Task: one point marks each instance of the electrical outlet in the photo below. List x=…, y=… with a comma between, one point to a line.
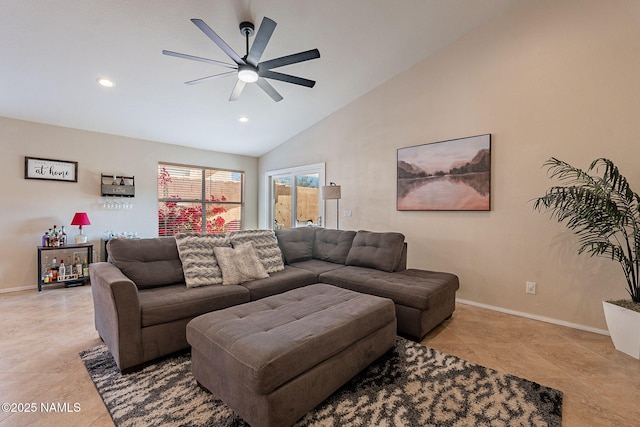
x=531, y=288
x=347, y=214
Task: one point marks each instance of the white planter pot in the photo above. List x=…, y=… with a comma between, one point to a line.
x=624, y=327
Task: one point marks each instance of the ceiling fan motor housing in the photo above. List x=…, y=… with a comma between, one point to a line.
x=246, y=28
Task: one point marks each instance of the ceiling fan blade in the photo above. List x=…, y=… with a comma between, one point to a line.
x=237, y=90
x=204, y=79
x=287, y=78
x=290, y=59
x=217, y=40
x=265, y=86
x=197, y=58
x=260, y=42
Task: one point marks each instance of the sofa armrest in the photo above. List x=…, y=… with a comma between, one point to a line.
x=117, y=313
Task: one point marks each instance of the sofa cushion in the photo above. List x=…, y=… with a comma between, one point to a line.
x=423, y=292
x=279, y=282
x=149, y=262
x=266, y=246
x=381, y=251
x=332, y=245
x=419, y=289
x=175, y=302
x=239, y=264
x=296, y=243
x=198, y=260
x=351, y=277
x=316, y=266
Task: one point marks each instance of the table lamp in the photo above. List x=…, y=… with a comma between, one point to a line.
x=80, y=218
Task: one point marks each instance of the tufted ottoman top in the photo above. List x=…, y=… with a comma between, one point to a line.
x=265, y=343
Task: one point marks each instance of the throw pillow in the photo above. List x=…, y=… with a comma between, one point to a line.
x=239, y=264
x=266, y=245
x=198, y=260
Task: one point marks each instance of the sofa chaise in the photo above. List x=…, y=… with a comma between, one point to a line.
x=150, y=288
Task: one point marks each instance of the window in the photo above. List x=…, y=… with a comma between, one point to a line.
x=190, y=196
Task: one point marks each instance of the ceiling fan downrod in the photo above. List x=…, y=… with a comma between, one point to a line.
x=246, y=29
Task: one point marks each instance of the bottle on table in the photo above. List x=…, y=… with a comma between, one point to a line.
x=53, y=272
x=62, y=270
x=44, y=274
x=85, y=268
x=78, y=267
x=62, y=237
x=53, y=238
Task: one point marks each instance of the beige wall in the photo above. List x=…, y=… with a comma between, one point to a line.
x=548, y=78
x=30, y=207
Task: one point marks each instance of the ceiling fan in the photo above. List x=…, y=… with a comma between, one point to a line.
x=248, y=68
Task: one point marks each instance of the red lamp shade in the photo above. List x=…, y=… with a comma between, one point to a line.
x=80, y=218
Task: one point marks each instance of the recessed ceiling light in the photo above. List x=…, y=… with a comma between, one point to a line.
x=105, y=82
x=243, y=119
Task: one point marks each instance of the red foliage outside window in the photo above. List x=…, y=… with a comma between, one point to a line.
x=175, y=216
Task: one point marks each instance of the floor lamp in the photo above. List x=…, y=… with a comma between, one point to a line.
x=332, y=192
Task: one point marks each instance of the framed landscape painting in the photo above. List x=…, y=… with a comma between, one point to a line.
x=452, y=175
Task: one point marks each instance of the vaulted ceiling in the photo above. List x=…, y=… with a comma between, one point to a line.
x=52, y=52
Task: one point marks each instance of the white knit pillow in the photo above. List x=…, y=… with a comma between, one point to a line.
x=266, y=245
x=198, y=260
x=239, y=264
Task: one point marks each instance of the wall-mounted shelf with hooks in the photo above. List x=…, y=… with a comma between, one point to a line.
x=118, y=185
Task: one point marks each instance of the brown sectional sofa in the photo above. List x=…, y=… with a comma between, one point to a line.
x=142, y=304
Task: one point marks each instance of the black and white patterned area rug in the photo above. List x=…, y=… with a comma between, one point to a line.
x=411, y=385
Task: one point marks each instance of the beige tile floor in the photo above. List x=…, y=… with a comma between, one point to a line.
x=42, y=334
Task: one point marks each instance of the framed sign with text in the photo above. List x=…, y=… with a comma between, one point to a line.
x=49, y=169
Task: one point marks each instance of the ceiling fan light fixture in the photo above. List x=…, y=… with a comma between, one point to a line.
x=247, y=74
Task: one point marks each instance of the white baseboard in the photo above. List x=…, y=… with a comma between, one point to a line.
x=19, y=288
x=534, y=317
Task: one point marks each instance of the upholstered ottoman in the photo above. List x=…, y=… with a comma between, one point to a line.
x=275, y=359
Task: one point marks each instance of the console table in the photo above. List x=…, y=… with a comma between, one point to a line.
x=59, y=252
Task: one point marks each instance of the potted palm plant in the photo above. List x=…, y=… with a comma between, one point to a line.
x=603, y=211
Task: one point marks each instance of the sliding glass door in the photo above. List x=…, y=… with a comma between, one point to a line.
x=295, y=196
